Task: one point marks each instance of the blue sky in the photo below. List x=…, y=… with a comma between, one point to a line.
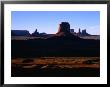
x=48, y=21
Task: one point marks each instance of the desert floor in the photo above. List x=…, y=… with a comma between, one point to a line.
x=56, y=67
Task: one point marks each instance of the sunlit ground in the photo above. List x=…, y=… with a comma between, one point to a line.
x=57, y=62
x=56, y=67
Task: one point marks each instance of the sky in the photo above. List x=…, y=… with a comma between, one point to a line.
x=48, y=21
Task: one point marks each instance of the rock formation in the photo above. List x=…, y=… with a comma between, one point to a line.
x=35, y=33
x=20, y=33
x=84, y=33
x=72, y=30
x=64, y=27
x=64, y=32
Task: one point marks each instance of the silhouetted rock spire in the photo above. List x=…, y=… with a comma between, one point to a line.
x=35, y=33
x=79, y=31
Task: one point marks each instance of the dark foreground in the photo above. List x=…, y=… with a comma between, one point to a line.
x=76, y=72
x=59, y=57
x=57, y=47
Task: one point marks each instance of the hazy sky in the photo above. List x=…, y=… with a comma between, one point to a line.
x=48, y=21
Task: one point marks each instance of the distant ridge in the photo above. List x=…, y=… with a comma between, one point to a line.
x=64, y=32
x=20, y=33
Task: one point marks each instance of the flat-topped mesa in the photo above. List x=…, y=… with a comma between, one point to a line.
x=20, y=33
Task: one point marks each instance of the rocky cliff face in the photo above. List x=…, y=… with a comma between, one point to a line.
x=64, y=31
x=64, y=27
